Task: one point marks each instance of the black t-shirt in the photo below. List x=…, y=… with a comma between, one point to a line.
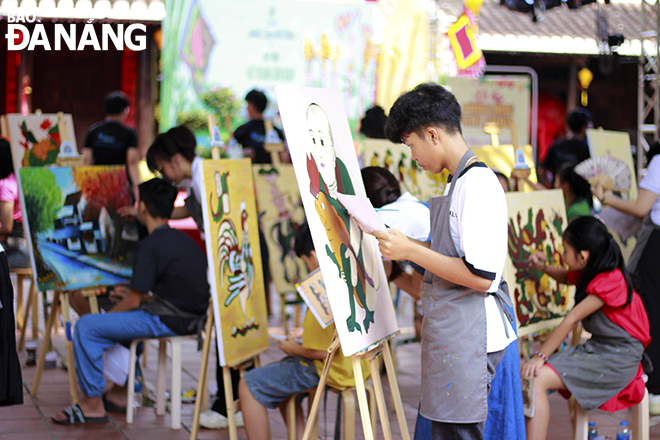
x=109, y=141
x=252, y=134
x=564, y=151
x=171, y=265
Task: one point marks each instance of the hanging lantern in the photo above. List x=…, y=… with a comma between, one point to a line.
x=584, y=76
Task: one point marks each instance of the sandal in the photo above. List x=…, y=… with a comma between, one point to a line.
x=75, y=416
x=112, y=407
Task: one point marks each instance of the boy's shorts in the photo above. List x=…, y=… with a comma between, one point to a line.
x=274, y=383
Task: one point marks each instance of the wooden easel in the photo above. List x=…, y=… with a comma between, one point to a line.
x=273, y=148
x=233, y=404
x=370, y=354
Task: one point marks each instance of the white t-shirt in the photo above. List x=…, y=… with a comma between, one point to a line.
x=478, y=224
x=195, y=185
x=651, y=182
x=408, y=215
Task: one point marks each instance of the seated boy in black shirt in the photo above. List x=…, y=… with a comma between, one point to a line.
x=171, y=266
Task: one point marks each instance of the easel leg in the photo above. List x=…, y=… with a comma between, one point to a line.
x=35, y=312
x=396, y=395
x=314, y=408
x=20, y=321
x=229, y=400
x=380, y=398
x=71, y=363
x=362, y=399
x=45, y=345
x=21, y=341
x=203, y=373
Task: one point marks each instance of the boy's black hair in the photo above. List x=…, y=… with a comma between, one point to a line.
x=177, y=140
x=424, y=106
x=578, y=119
x=115, y=102
x=158, y=196
x=302, y=241
x=579, y=186
x=373, y=123
x=258, y=99
x=6, y=164
x=587, y=233
x=381, y=186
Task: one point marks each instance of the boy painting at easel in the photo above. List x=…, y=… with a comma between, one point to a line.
x=463, y=265
x=269, y=387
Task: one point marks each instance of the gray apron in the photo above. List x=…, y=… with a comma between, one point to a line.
x=454, y=370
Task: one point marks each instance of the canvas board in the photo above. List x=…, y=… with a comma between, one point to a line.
x=76, y=237
x=325, y=163
x=234, y=258
x=280, y=210
x=396, y=158
x=536, y=223
x=312, y=290
x=35, y=139
x=617, y=144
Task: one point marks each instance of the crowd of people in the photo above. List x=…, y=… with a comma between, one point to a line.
x=448, y=253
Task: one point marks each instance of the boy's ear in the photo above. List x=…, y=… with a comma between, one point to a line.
x=432, y=133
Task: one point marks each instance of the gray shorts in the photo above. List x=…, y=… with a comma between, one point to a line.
x=274, y=383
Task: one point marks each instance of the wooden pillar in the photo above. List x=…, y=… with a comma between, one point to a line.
x=572, y=95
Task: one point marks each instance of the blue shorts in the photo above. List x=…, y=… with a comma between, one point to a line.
x=274, y=383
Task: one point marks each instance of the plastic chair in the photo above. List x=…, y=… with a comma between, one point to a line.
x=349, y=409
x=639, y=425
x=175, y=408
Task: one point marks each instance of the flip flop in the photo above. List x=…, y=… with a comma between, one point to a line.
x=75, y=416
x=112, y=407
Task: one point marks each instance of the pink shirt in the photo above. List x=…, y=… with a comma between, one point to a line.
x=9, y=193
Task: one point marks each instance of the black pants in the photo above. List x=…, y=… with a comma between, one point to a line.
x=647, y=280
x=11, y=382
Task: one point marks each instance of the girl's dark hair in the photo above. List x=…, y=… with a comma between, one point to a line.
x=373, y=123
x=381, y=186
x=177, y=140
x=6, y=164
x=579, y=186
x=590, y=234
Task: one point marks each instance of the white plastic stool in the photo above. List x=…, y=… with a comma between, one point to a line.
x=175, y=393
x=639, y=425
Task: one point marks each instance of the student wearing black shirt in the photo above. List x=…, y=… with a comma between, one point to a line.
x=110, y=142
x=252, y=134
x=168, y=264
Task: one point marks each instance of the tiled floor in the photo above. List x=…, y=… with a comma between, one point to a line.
x=31, y=421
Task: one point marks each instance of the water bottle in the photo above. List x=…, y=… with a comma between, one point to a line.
x=234, y=150
x=593, y=432
x=624, y=432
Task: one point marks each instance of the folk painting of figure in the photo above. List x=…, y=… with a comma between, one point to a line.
x=325, y=163
x=35, y=138
x=280, y=211
x=77, y=238
x=536, y=224
x=232, y=248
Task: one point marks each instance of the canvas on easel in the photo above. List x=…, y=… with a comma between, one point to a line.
x=325, y=163
x=536, y=224
x=281, y=211
x=35, y=138
x=396, y=158
x=233, y=251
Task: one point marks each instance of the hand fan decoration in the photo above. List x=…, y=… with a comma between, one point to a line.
x=609, y=172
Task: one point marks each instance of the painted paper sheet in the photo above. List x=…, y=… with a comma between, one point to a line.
x=35, y=139
x=232, y=248
x=536, y=223
x=616, y=144
x=398, y=161
x=324, y=159
x=76, y=236
x=281, y=211
x=312, y=290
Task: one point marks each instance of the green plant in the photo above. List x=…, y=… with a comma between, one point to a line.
x=222, y=102
x=195, y=120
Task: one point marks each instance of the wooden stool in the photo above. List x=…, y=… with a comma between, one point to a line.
x=175, y=392
x=348, y=400
x=639, y=425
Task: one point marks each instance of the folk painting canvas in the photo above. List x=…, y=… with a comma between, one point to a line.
x=35, y=138
x=398, y=161
x=313, y=292
x=234, y=256
x=536, y=224
x=325, y=163
x=76, y=236
x=281, y=212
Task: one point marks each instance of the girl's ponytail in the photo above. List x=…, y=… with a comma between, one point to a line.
x=590, y=234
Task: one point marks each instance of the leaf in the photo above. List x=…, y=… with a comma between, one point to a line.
x=27, y=133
